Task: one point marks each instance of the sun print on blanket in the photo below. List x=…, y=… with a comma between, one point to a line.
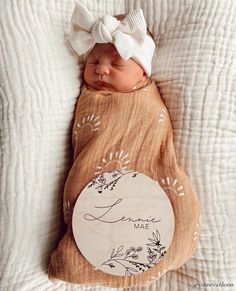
x=90, y=122
x=158, y=275
x=67, y=209
x=162, y=115
x=172, y=184
x=195, y=235
x=118, y=160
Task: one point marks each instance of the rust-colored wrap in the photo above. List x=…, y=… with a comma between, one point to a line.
x=135, y=123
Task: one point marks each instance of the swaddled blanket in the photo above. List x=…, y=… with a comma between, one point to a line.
x=129, y=130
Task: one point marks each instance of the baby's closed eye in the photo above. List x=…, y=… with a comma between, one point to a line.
x=92, y=62
x=119, y=65
x=116, y=65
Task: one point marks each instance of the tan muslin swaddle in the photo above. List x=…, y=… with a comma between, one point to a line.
x=134, y=123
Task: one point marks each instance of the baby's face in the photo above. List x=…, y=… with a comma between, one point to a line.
x=106, y=70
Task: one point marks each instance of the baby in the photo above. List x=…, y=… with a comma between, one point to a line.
x=121, y=123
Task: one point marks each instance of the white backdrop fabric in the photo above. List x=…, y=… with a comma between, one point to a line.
x=195, y=69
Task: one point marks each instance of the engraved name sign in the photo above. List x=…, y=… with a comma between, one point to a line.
x=123, y=222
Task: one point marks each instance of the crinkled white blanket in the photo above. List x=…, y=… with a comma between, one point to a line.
x=195, y=70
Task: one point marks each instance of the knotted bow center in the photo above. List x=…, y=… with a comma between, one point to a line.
x=103, y=28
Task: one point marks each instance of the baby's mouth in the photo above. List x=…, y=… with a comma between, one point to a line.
x=102, y=84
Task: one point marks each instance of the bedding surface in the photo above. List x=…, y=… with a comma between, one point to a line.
x=194, y=68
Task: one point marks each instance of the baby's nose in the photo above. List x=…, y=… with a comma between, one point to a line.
x=102, y=69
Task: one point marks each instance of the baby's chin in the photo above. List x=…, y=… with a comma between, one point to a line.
x=98, y=85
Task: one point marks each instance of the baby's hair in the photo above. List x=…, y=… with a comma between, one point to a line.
x=122, y=17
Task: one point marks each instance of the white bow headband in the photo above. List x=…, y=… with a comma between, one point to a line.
x=128, y=36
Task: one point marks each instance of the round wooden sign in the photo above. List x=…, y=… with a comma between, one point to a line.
x=123, y=222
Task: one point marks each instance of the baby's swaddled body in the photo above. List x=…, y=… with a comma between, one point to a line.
x=130, y=131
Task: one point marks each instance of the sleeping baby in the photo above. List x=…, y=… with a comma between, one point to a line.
x=121, y=123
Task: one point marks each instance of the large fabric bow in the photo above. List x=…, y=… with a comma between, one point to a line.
x=127, y=35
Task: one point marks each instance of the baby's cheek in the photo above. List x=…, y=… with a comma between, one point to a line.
x=139, y=75
x=126, y=79
x=127, y=84
x=88, y=74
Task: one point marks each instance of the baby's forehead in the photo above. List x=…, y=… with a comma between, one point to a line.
x=104, y=48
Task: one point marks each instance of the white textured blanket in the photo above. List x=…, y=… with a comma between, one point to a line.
x=195, y=70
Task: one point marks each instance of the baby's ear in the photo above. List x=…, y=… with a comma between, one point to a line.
x=144, y=76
